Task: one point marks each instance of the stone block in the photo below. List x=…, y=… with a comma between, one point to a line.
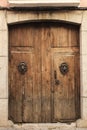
x=84, y=84
x=81, y=128
x=81, y=124
x=3, y=128
x=3, y=43
x=71, y=16
x=84, y=21
x=67, y=128
x=3, y=111
x=12, y=17
x=49, y=126
x=43, y=3
x=35, y=126
x=3, y=77
x=3, y=24
x=83, y=62
x=58, y=15
x=83, y=42
x=84, y=108
x=74, y=16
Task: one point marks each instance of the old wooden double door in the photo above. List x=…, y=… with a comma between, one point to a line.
x=44, y=72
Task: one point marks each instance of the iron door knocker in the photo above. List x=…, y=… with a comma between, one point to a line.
x=22, y=67
x=64, y=68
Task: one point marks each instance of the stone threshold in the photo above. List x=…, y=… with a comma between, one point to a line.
x=79, y=124
x=37, y=126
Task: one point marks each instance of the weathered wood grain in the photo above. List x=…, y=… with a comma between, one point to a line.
x=35, y=97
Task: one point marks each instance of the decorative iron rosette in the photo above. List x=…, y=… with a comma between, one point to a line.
x=22, y=67
x=64, y=68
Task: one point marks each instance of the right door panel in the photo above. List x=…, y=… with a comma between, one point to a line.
x=65, y=86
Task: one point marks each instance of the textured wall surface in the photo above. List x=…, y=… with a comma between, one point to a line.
x=83, y=3
x=4, y=3
x=12, y=17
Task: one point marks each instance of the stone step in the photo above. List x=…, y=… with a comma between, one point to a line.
x=43, y=128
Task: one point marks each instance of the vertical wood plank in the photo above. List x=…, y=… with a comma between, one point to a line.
x=28, y=80
x=46, y=74
x=15, y=89
x=37, y=76
x=77, y=86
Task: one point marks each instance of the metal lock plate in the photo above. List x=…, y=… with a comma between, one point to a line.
x=64, y=68
x=22, y=67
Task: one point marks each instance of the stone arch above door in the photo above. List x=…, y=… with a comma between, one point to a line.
x=74, y=17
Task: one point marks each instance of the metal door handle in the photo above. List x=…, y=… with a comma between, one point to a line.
x=55, y=77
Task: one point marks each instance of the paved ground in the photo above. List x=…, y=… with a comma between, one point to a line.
x=66, y=128
x=42, y=126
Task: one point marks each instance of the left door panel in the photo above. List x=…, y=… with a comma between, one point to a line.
x=20, y=97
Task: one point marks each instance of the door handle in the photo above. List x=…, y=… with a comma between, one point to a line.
x=57, y=82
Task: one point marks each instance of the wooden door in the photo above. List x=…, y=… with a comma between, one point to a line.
x=44, y=72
